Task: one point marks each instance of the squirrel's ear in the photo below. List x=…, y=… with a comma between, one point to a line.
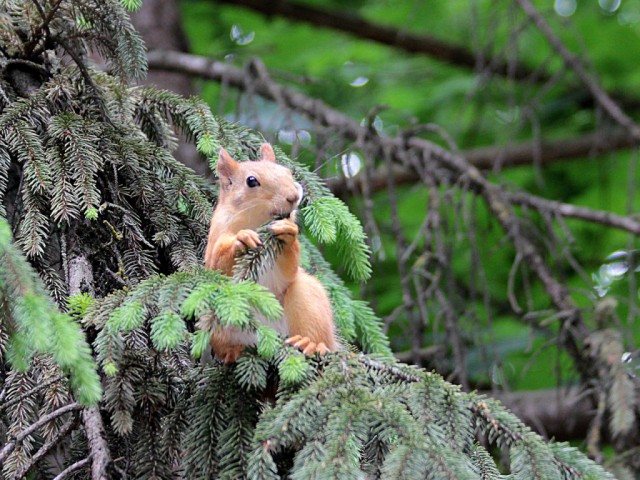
x=266, y=151
x=226, y=165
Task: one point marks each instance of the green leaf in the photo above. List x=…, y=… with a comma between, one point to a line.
x=110, y=369
x=330, y=221
x=78, y=304
x=91, y=213
x=207, y=145
x=128, y=317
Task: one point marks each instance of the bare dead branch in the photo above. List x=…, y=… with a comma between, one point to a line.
x=96, y=437
x=427, y=353
x=526, y=153
x=482, y=158
x=80, y=279
x=72, y=468
x=574, y=211
x=13, y=443
x=44, y=449
x=563, y=414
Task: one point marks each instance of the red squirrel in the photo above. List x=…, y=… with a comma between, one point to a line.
x=252, y=194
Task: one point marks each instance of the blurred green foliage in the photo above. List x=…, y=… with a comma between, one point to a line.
x=476, y=110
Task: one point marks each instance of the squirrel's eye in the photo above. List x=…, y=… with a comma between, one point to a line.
x=252, y=182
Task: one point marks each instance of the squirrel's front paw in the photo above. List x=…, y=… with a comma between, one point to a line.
x=284, y=229
x=307, y=346
x=247, y=239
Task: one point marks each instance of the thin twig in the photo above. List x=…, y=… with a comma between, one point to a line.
x=19, y=438
x=44, y=449
x=383, y=367
x=44, y=26
x=72, y=468
x=31, y=392
x=572, y=62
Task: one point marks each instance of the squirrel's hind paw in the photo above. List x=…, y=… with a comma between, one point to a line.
x=307, y=346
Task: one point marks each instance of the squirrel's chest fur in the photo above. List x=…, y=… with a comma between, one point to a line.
x=275, y=282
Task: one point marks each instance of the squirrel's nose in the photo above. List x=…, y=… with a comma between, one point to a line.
x=293, y=198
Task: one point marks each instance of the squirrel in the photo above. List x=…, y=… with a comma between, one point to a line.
x=251, y=194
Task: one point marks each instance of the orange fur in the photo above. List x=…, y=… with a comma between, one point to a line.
x=308, y=318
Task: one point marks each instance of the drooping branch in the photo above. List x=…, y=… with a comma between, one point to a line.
x=48, y=446
x=482, y=158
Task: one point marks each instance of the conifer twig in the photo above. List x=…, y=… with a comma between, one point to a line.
x=252, y=264
x=390, y=369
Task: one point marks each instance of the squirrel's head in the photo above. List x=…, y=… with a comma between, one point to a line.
x=256, y=192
